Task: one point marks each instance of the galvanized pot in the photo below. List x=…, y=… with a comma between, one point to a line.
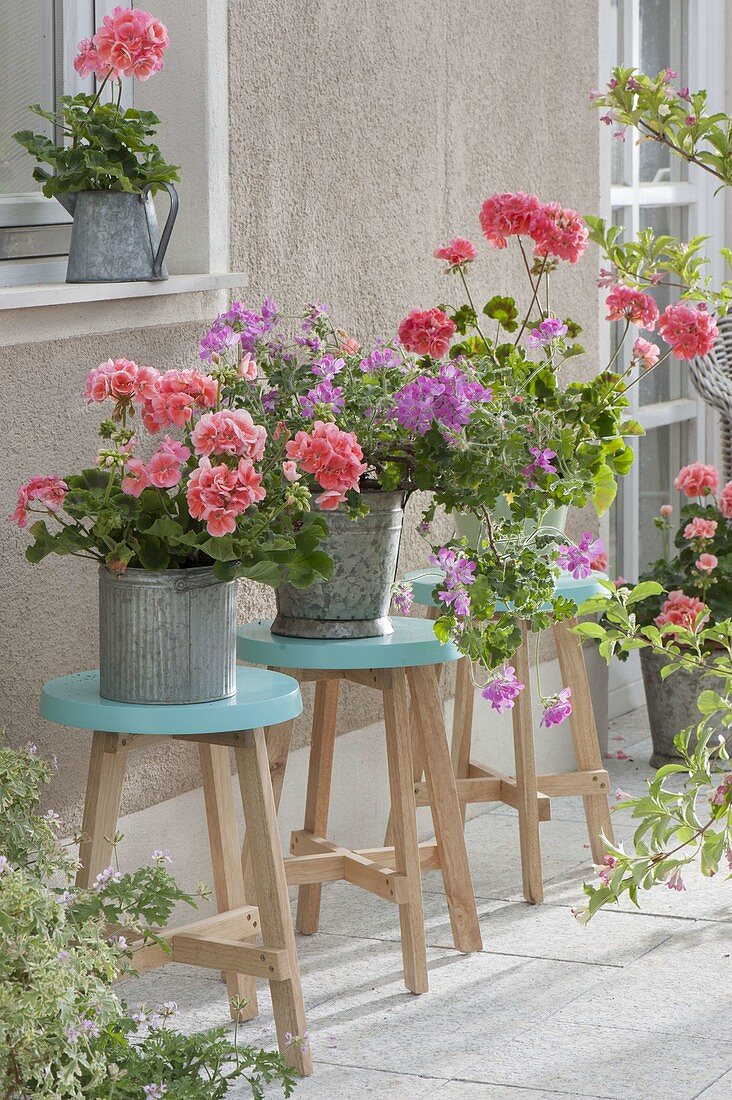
x=167, y=637
x=671, y=703
x=354, y=603
x=114, y=238
x=469, y=526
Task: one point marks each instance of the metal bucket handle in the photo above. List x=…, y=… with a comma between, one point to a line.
x=157, y=270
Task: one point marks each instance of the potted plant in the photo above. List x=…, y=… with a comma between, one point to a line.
x=694, y=591
x=106, y=169
x=172, y=531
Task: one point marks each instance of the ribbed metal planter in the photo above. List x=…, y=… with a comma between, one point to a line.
x=671, y=704
x=167, y=637
x=354, y=603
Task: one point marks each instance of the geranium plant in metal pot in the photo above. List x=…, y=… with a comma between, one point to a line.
x=172, y=530
x=106, y=167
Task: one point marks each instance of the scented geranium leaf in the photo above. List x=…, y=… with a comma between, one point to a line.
x=504, y=310
x=464, y=319
x=604, y=489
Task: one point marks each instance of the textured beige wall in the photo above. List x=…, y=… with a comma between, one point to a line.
x=362, y=135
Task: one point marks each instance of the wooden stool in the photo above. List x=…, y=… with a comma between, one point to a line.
x=393, y=872
x=219, y=942
x=527, y=792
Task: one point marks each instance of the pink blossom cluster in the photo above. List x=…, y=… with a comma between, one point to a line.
x=645, y=353
x=427, y=332
x=697, y=480
x=557, y=708
x=229, y=432
x=219, y=494
x=130, y=42
x=624, y=303
x=333, y=457
x=457, y=253
x=680, y=610
x=700, y=529
x=176, y=396
x=554, y=230
x=49, y=491
x=122, y=380
x=688, y=329
x=163, y=471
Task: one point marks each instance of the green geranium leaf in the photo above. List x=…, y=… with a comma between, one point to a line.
x=503, y=310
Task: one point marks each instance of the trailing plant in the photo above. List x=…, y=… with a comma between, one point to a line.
x=64, y=1031
x=676, y=826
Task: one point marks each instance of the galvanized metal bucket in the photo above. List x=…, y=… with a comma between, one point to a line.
x=354, y=603
x=671, y=704
x=167, y=637
x=114, y=237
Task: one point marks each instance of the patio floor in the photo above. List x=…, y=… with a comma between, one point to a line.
x=630, y=1006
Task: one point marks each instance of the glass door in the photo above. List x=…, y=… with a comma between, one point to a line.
x=648, y=187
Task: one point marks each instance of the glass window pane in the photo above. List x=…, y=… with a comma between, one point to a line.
x=616, y=30
x=26, y=76
x=663, y=43
x=661, y=454
x=669, y=381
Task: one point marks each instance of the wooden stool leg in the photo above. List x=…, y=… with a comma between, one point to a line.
x=462, y=723
x=223, y=837
x=278, y=750
x=101, y=806
x=584, y=733
x=320, y=770
x=417, y=769
x=274, y=906
x=445, y=811
x=404, y=827
x=526, y=786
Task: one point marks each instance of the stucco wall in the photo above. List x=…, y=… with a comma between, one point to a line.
x=362, y=136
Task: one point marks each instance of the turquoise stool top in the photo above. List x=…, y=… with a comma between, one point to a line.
x=424, y=581
x=412, y=643
x=262, y=699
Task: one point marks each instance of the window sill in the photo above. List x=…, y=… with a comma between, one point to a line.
x=61, y=294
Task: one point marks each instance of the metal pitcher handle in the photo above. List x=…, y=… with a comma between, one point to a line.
x=157, y=270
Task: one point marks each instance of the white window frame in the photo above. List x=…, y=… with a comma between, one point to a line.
x=706, y=30
x=68, y=21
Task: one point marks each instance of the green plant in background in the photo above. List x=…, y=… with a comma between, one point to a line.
x=64, y=1032
x=679, y=825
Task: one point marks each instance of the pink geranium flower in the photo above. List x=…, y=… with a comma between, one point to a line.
x=645, y=353
x=725, y=501
x=332, y=456
x=681, y=610
x=230, y=432
x=330, y=500
x=706, y=563
x=136, y=478
x=700, y=528
x=176, y=395
x=290, y=471
x=558, y=232
x=624, y=303
x=164, y=469
x=688, y=329
x=49, y=491
x=697, y=480
x=557, y=708
x=507, y=215
x=130, y=42
x=247, y=368
x=218, y=494
x=427, y=332
x=457, y=253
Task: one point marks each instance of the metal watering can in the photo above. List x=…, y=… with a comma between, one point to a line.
x=114, y=238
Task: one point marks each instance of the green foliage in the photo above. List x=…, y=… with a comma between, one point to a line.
x=65, y=1034
x=106, y=149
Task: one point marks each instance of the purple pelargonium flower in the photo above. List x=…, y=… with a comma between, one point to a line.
x=323, y=394
x=216, y=340
x=550, y=329
x=448, y=399
x=457, y=598
x=577, y=560
x=502, y=691
x=381, y=358
x=328, y=367
x=458, y=568
x=270, y=400
x=556, y=708
x=402, y=597
x=542, y=461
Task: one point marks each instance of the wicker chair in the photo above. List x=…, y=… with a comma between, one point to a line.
x=712, y=378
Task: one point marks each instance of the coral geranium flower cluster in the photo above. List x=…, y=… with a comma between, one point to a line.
x=554, y=231
x=333, y=457
x=130, y=42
